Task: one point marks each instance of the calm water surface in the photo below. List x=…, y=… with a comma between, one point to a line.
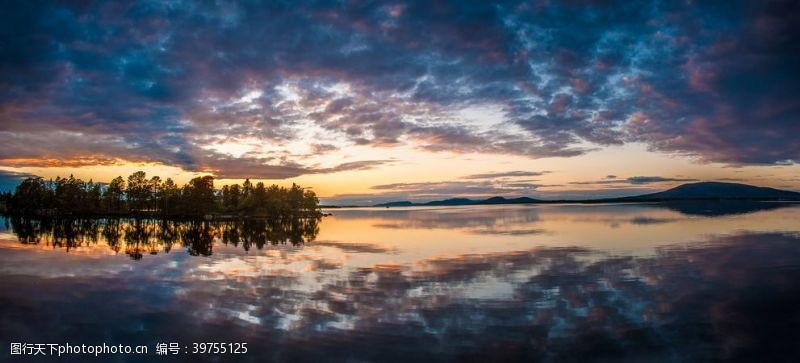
x=682, y=282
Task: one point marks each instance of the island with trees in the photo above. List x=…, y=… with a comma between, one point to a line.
x=154, y=197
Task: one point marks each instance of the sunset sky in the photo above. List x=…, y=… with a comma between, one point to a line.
x=370, y=102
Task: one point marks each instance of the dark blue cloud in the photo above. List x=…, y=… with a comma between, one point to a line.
x=655, y=179
x=9, y=179
x=154, y=81
x=634, y=180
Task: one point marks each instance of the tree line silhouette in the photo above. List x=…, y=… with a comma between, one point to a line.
x=140, y=195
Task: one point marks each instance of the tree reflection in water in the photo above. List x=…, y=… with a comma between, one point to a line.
x=732, y=295
x=136, y=237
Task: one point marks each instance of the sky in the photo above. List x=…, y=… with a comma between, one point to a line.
x=366, y=102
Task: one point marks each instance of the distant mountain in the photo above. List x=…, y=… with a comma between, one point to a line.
x=715, y=191
x=685, y=192
x=463, y=201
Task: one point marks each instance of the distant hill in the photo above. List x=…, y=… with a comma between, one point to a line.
x=685, y=192
x=715, y=191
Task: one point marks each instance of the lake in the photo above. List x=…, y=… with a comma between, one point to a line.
x=628, y=282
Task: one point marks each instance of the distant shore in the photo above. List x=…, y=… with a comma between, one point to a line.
x=569, y=201
x=691, y=192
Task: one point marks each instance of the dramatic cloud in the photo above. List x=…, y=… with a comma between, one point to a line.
x=240, y=168
x=99, y=83
x=635, y=180
x=506, y=174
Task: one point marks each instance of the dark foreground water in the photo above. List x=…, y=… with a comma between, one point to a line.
x=490, y=283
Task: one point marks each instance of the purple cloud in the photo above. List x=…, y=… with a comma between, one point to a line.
x=99, y=82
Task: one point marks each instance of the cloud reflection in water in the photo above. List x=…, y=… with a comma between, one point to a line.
x=727, y=296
